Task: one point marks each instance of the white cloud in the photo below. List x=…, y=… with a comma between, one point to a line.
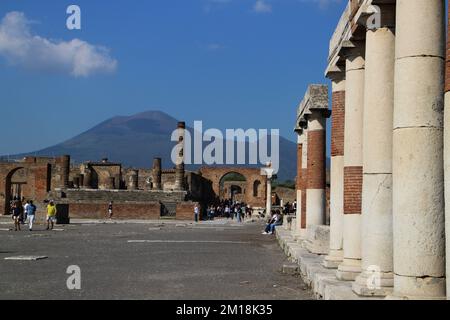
x=76, y=57
x=262, y=6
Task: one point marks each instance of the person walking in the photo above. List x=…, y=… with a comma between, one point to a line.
x=110, y=210
x=51, y=215
x=17, y=212
x=25, y=211
x=31, y=212
x=196, y=213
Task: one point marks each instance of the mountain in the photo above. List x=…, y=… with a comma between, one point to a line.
x=135, y=140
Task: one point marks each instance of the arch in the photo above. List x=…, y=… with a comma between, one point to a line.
x=8, y=189
x=256, y=188
x=251, y=175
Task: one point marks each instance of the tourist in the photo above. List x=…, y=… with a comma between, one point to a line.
x=227, y=212
x=25, y=210
x=196, y=213
x=17, y=212
x=110, y=210
x=51, y=215
x=31, y=213
x=275, y=221
x=238, y=213
x=19, y=205
x=211, y=213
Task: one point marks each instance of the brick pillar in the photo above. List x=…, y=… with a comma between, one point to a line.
x=418, y=173
x=376, y=219
x=336, y=254
x=179, y=169
x=156, y=174
x=316, y=173
x=353, y=164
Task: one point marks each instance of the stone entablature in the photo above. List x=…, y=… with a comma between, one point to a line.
x=315, y=99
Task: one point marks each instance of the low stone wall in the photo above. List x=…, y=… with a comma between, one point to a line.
x=99, y=210
x=185, y=210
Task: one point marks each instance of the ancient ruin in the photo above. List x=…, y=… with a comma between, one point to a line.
x=85, y=190
x=386, y=237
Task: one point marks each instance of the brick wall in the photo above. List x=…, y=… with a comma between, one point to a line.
x=316, y=160
x=98, y=210
x=338, y=124
x=185, y=210
x=353, y=178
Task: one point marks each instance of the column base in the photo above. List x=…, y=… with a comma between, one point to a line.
x=300, y=236
x=318, y=239
x=417, y=288
x=333, y=259
x=349, y=270
x=364, y=284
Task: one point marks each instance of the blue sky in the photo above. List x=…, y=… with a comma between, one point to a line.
x=230, y=63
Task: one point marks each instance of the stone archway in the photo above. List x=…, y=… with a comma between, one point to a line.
x=252, y=177
x=33, y=174
x=11, y=192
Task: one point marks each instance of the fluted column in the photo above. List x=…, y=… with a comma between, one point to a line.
x=353, y=163
x=418, y=184
x=377, y=278
x=336, y=254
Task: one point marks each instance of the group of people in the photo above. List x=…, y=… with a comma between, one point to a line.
x=290, y=208
x=23, y=211
x=230, y=210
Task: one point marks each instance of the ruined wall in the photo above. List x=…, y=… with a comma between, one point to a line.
x=185, y=210
x=99, y=210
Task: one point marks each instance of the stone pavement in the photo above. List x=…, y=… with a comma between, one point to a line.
x=158, y=260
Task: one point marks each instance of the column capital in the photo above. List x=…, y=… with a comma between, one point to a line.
x=353, y=49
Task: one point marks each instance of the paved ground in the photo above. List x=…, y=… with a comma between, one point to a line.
x=147, y=261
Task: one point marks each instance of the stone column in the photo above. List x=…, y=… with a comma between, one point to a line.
x=179, y=169
x=376, y=218
x=447, y=157
x=157, y=173
x=353, y=163
x=87, y=178
x=299, y=185
x=316, y=176
x=65, y=171
x=303, y=182
x=418, y=171
x=269, y=197
x=133, y=183
x=336, y=254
